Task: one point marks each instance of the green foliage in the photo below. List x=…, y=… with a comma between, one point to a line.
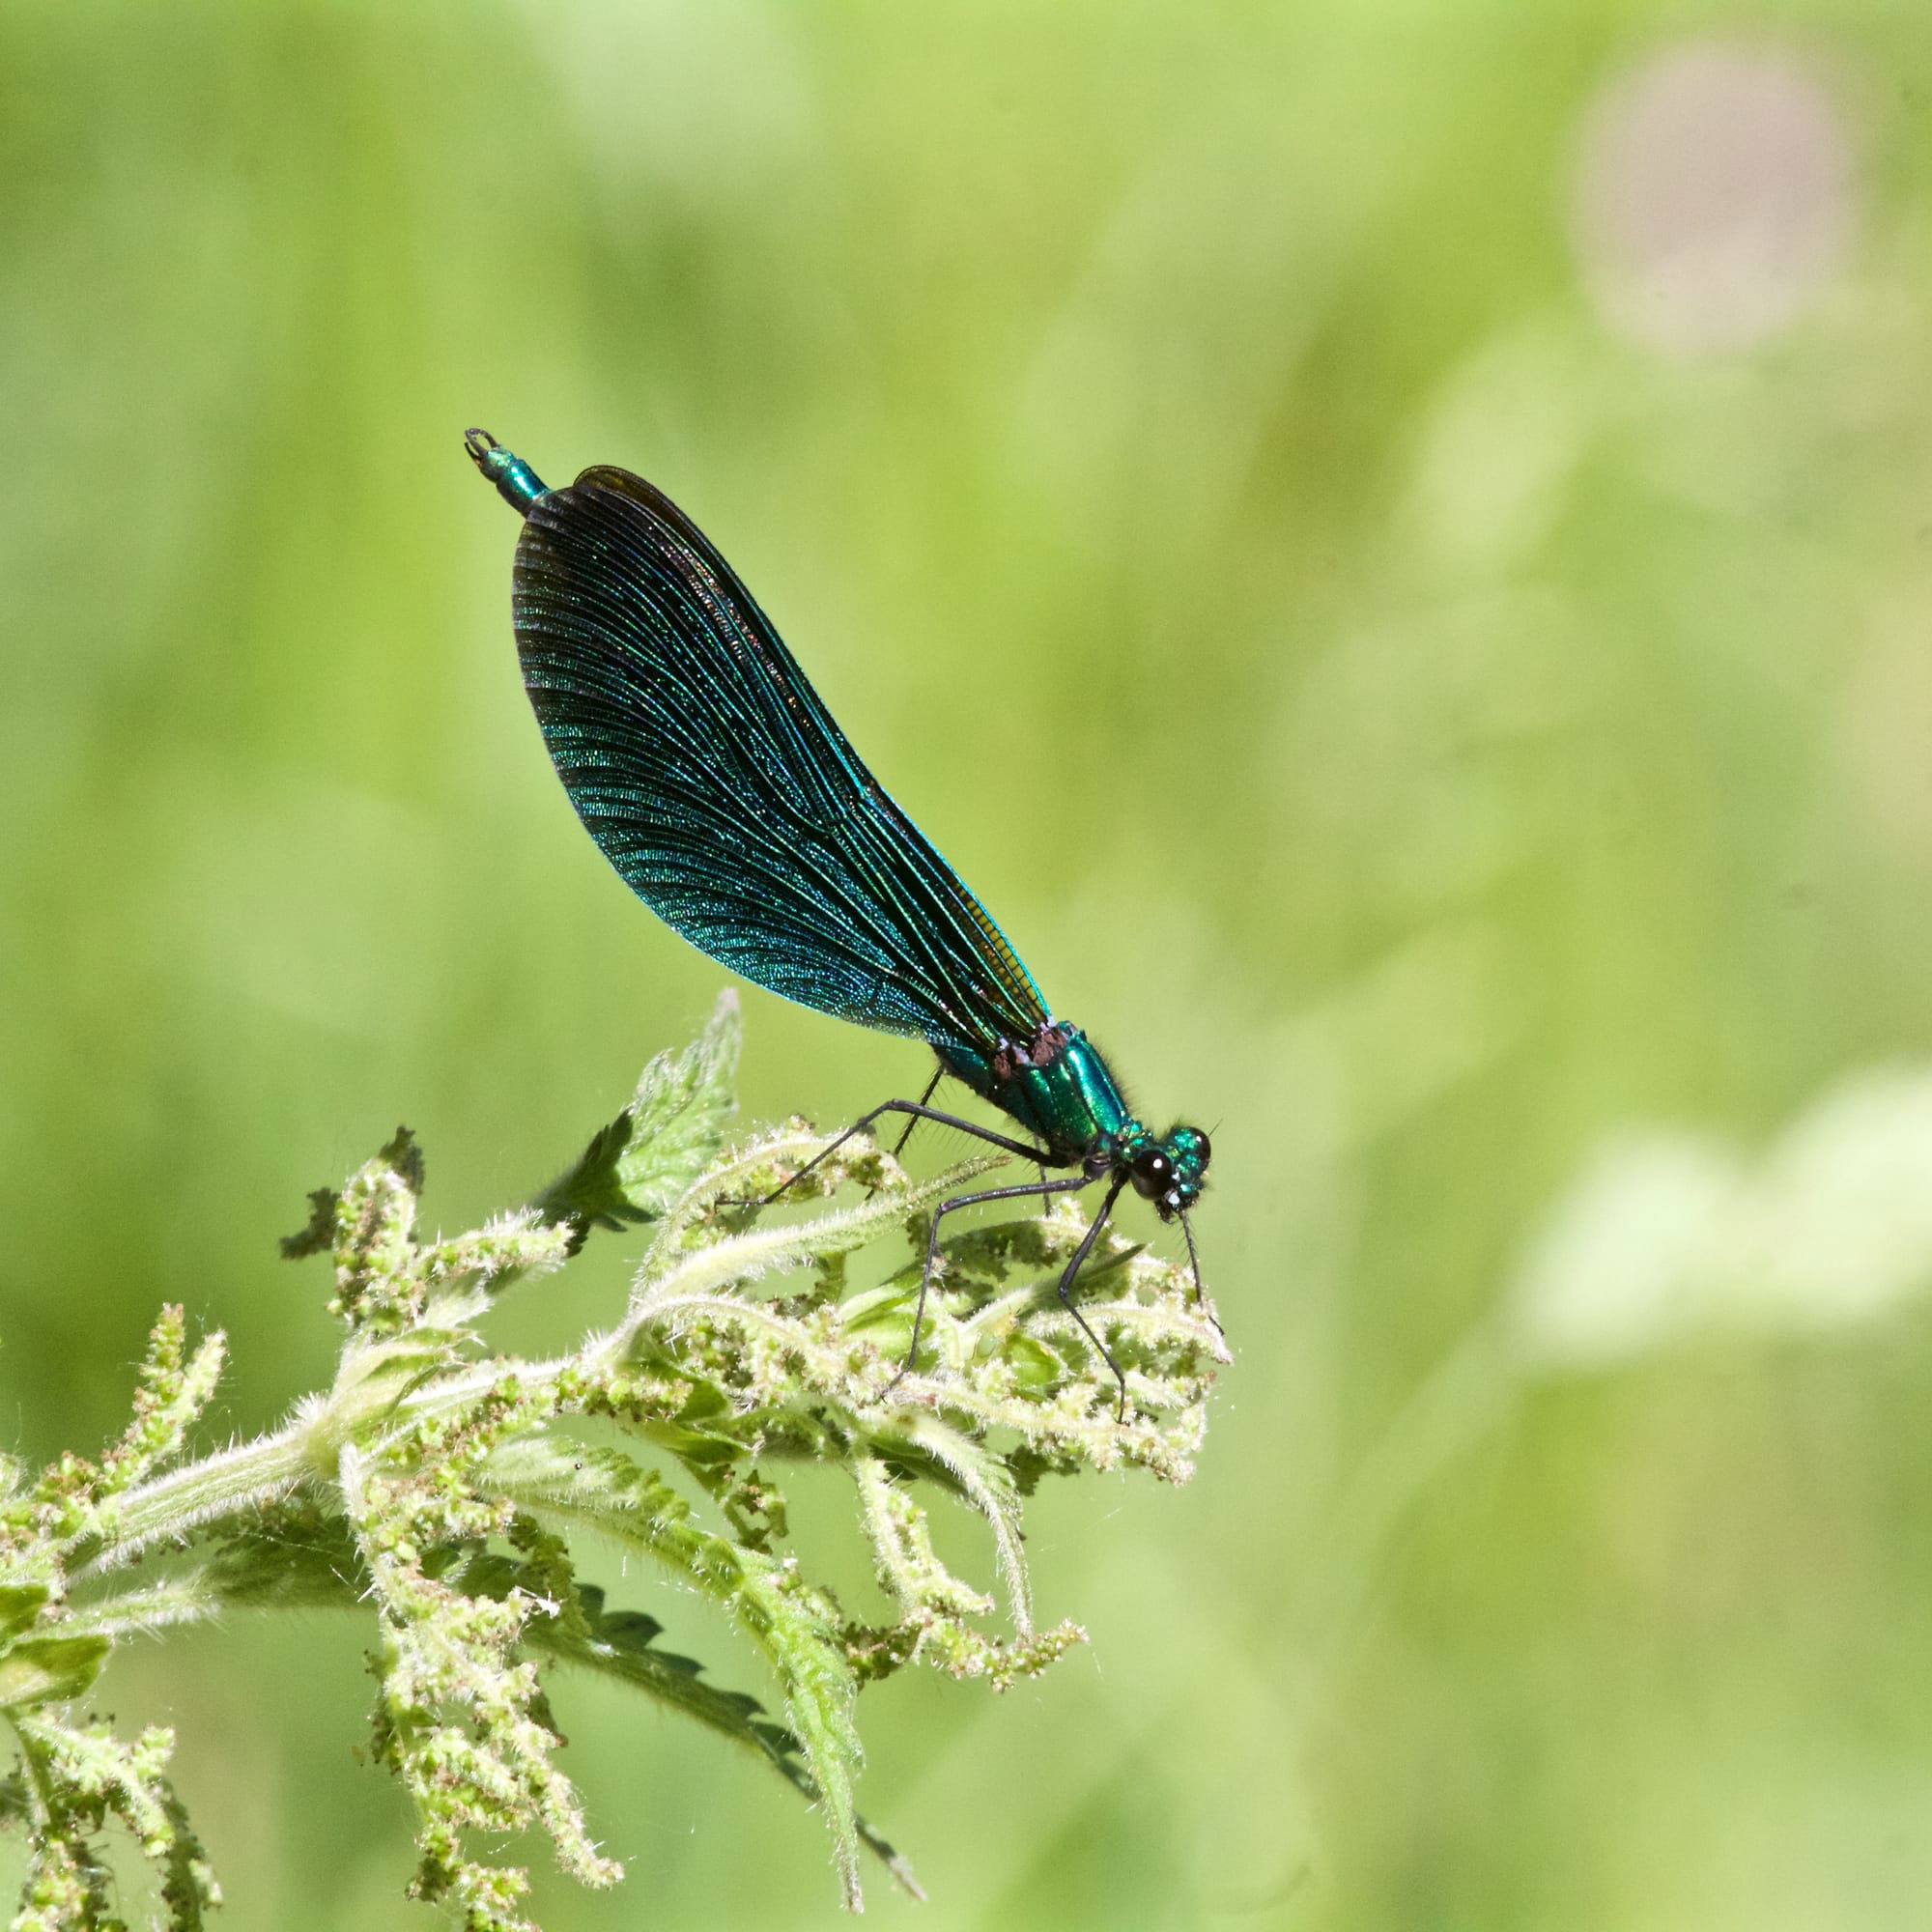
x=450, y=1493
x=73, y=1776
x=641, y=1163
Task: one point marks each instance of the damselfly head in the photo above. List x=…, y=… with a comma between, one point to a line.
x=1170, y=1173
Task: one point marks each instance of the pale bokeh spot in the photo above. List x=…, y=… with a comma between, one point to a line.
x=1673, y=1235
x=1714, y=196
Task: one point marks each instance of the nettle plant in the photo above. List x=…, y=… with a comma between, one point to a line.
x=449, y=1493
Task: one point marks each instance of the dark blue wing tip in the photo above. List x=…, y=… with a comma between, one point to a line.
x=517, y=483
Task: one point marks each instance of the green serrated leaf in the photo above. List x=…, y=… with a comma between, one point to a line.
x=591, y=1194
x=604, y=1492
x=621, y=1646
x=19, y=1604
x=319, y=1236
x=637, y=1165
x=187, y=1882
x=50, y=1669
x=296, y=1557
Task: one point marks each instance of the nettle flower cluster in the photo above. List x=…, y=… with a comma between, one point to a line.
x=451, y=1493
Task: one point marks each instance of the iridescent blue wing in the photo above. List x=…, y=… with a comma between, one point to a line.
x=717, y=783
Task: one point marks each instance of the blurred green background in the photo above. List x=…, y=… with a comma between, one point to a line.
x=1393, y=544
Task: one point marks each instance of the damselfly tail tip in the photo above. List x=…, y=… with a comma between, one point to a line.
x=516, y=482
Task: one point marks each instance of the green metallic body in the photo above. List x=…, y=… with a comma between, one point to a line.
x=1071, y=1102
x=1060, y=1089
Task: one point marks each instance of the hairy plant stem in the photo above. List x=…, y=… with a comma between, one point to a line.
x=200, y=1497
